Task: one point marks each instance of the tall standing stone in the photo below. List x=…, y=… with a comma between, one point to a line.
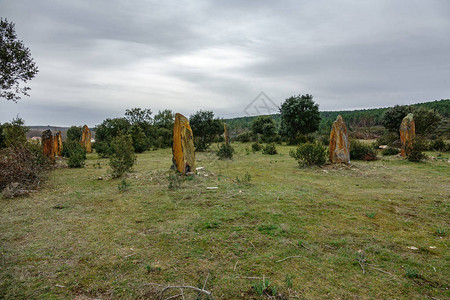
x=407, y=132
x=339, y=143
x=183, y=145
x=226, y=134
x=47, y=144
x=60, y=145
x=86, y=139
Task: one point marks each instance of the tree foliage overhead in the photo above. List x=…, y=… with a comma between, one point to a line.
x=205, y=128
x=16, y=63
x=392, y=118
x=74, y=133
x=299, y=115
x=264, y=126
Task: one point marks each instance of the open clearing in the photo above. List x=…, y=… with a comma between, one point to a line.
x=372, y=230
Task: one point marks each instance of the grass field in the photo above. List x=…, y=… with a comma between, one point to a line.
x=371, y=230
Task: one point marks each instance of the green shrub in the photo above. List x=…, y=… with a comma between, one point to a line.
x=102, y=148
x=270, y=149
x=438, y=145
x=225, y=151
x=390, y=138
x=390, y=151
x=361, y=151
x=414, y=150
x=123, y=186
x=244, y=137
x=256, y=147
x=309, y=154
x=75, y=152
x=245, y=179
x=123, y=157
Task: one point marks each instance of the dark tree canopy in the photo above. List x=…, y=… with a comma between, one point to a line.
x=139, y=116
x=426, y=120
x=264, y=126
x=74, y=133
x=205, y=128
x=392, y=118
x=16, y=63
x=299, y=115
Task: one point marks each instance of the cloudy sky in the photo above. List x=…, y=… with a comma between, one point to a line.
x=97, y=58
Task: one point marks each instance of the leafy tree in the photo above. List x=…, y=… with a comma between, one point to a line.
x=110, y=128
x=426, y=120
x=162, y=130
x=265, y=126
x=14, y=133
x=205, y=128
x=139, y=116
x=299, y=115
x=16, y=64
x=74, y=133
x=392, y=118
x=138, y=138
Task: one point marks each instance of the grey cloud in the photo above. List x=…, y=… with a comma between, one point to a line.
x=186, y=55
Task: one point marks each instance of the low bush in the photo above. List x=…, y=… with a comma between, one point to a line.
x=362, y=151
x=123, y=157
x=270, y=149
x=309, y=154
x=103, y=149
x=438, y=145
x=244, y=137
x=225, y=151
x=390, y=151
x=75, y=152
x=391, y=139
x=22, y=168
x=256, y=147
x=414, y=150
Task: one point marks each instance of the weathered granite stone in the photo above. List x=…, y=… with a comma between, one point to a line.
x=339, y=143
x=86, y=139
x=60, y=144
x=407, y=132
x=47, y=144
x=57, y=144
x=226, y=134
x=183, y=145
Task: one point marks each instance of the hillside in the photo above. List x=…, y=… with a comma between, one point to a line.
x=354, y=118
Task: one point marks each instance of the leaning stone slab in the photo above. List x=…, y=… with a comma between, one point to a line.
x=183, y=145
x=86, y=139
x=339, y=143
x=407, y=132
x=47, y=144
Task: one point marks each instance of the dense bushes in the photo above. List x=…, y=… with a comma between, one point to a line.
x=256, y=147
x=414, y=150
x=75, y=153
x=270, y=149
x=225, y=151
x=362, y=151
x=308, y=154
x=22, y=168
x=390, y=151
x=123, y=157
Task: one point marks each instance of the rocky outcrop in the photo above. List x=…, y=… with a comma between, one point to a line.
x=86, y=139
x=183, y=145
x=47, y=144
x=339, y=143
x=407, y=132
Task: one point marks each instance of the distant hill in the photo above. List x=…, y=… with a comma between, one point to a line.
x=353, y=118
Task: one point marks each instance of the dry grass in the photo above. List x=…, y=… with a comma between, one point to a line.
x=81, y=237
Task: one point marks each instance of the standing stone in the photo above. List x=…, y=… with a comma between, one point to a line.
x=47, y=144
x=407, y=132
x=339, y=143
x=55, y=144
x=183, y=145
x=226, y=134
x=60, y=145
x=86, y=139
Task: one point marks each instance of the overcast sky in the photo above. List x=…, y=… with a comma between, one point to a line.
x=97, y=58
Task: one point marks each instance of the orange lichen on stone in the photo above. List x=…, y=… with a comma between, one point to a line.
x=86, y=139
x=57, y=144
x=407, y=132
x=47, y=144
x=339, y=143
x=183, y=145
x=226, y=134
